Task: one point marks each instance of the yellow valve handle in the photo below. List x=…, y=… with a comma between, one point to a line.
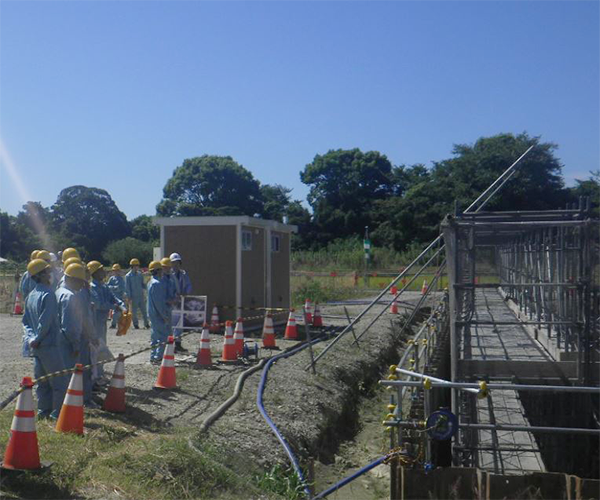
x=483, y=390
x=393, y=368
x=427, y=383
x=391, y=407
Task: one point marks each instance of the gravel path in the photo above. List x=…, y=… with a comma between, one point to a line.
x=315, y=413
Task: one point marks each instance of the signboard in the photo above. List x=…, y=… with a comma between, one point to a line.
x=191, y=313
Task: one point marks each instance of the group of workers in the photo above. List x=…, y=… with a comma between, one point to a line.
x=67, y=306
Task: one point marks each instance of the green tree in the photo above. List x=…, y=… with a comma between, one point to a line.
x=537, y=184
x=211, y=185
x=276, y=199
x=142, y=228
x=122, y=251
x=344, y=185
x=88, y=219
x=589, y=188
x=415, y=215
x=17, y=241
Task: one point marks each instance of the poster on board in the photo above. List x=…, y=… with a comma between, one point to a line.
x=191, y=313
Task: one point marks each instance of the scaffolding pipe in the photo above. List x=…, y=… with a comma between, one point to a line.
x=437, y=381
x=494, y=386
x=417, y=425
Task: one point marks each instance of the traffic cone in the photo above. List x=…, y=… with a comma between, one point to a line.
x=22, y=452
x=291, y=330
x=229, y=352
x=394, y=306
x=18, y=308
x=394, y=290
x=115, y=398
x=308, y=309
x=238, y=337
x=424, y=287
x=214, y=320
x=71, y=413
x=268, y=333
x=317, y=320
x=204, y=356
x=166, y=376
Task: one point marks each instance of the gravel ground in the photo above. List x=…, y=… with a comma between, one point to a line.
x=315, y=413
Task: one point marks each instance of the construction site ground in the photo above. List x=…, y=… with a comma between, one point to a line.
x=331, y=419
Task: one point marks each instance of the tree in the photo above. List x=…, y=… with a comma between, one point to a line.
x=142, y=228
x=276, y=200
x=589, y=188
x=415, y=214
x=211, y=185
x=17, y=241
x=344, y=184
x=88, y=219
x=122, y=251
x=537, y=184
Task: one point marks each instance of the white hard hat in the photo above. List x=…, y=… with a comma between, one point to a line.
x=53, y=257
x=174, y=257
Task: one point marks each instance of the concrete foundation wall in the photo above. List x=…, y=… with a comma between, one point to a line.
x=466, y=483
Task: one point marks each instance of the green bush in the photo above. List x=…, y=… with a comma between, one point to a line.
x=122, y=251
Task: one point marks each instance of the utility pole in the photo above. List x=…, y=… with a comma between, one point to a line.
x=367, y=246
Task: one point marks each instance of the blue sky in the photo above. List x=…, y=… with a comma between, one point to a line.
x=116, y=94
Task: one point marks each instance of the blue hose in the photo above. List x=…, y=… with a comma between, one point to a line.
x=344, y=482
x=286, y=446
x=261, y=408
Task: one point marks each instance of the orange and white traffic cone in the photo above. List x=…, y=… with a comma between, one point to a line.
x=394, y=306
x=214, y=320
x=269, y=333
x=166, y=376
x=291, y=330
x=71, y=413
x=18, y=308
x=115, y=398
x=317, y=319
x=238, y=337
x=308, y=309
x=424, y=287
x=229, y=352
x=22, y=452
x=204, y=357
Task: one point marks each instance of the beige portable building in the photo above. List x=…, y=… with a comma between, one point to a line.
x=239, y=262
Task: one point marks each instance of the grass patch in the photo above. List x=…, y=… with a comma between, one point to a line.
x=113, y=459
x=281, y=481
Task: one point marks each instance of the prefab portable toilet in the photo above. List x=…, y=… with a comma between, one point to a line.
x=241, y=263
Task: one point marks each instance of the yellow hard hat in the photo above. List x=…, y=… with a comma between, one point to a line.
x=165, y=262
x=34, y=255
x=76, y=270
x=155, y=264
x=93, y=266
x=43, y=254
x=134, y=262
x=72, y=260
x=70, y=252
x=36, y=266
x=116, y=267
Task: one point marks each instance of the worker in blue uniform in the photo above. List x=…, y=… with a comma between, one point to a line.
x=159, y=312
x=134, y=288
x=103, y=300
x=183, y=286
x=116, y=284
x=40, y=340
x=74, y=343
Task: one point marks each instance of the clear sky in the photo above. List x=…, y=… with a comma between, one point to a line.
x=116, y=94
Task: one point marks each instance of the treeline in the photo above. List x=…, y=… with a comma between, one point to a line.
x=349, y=190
